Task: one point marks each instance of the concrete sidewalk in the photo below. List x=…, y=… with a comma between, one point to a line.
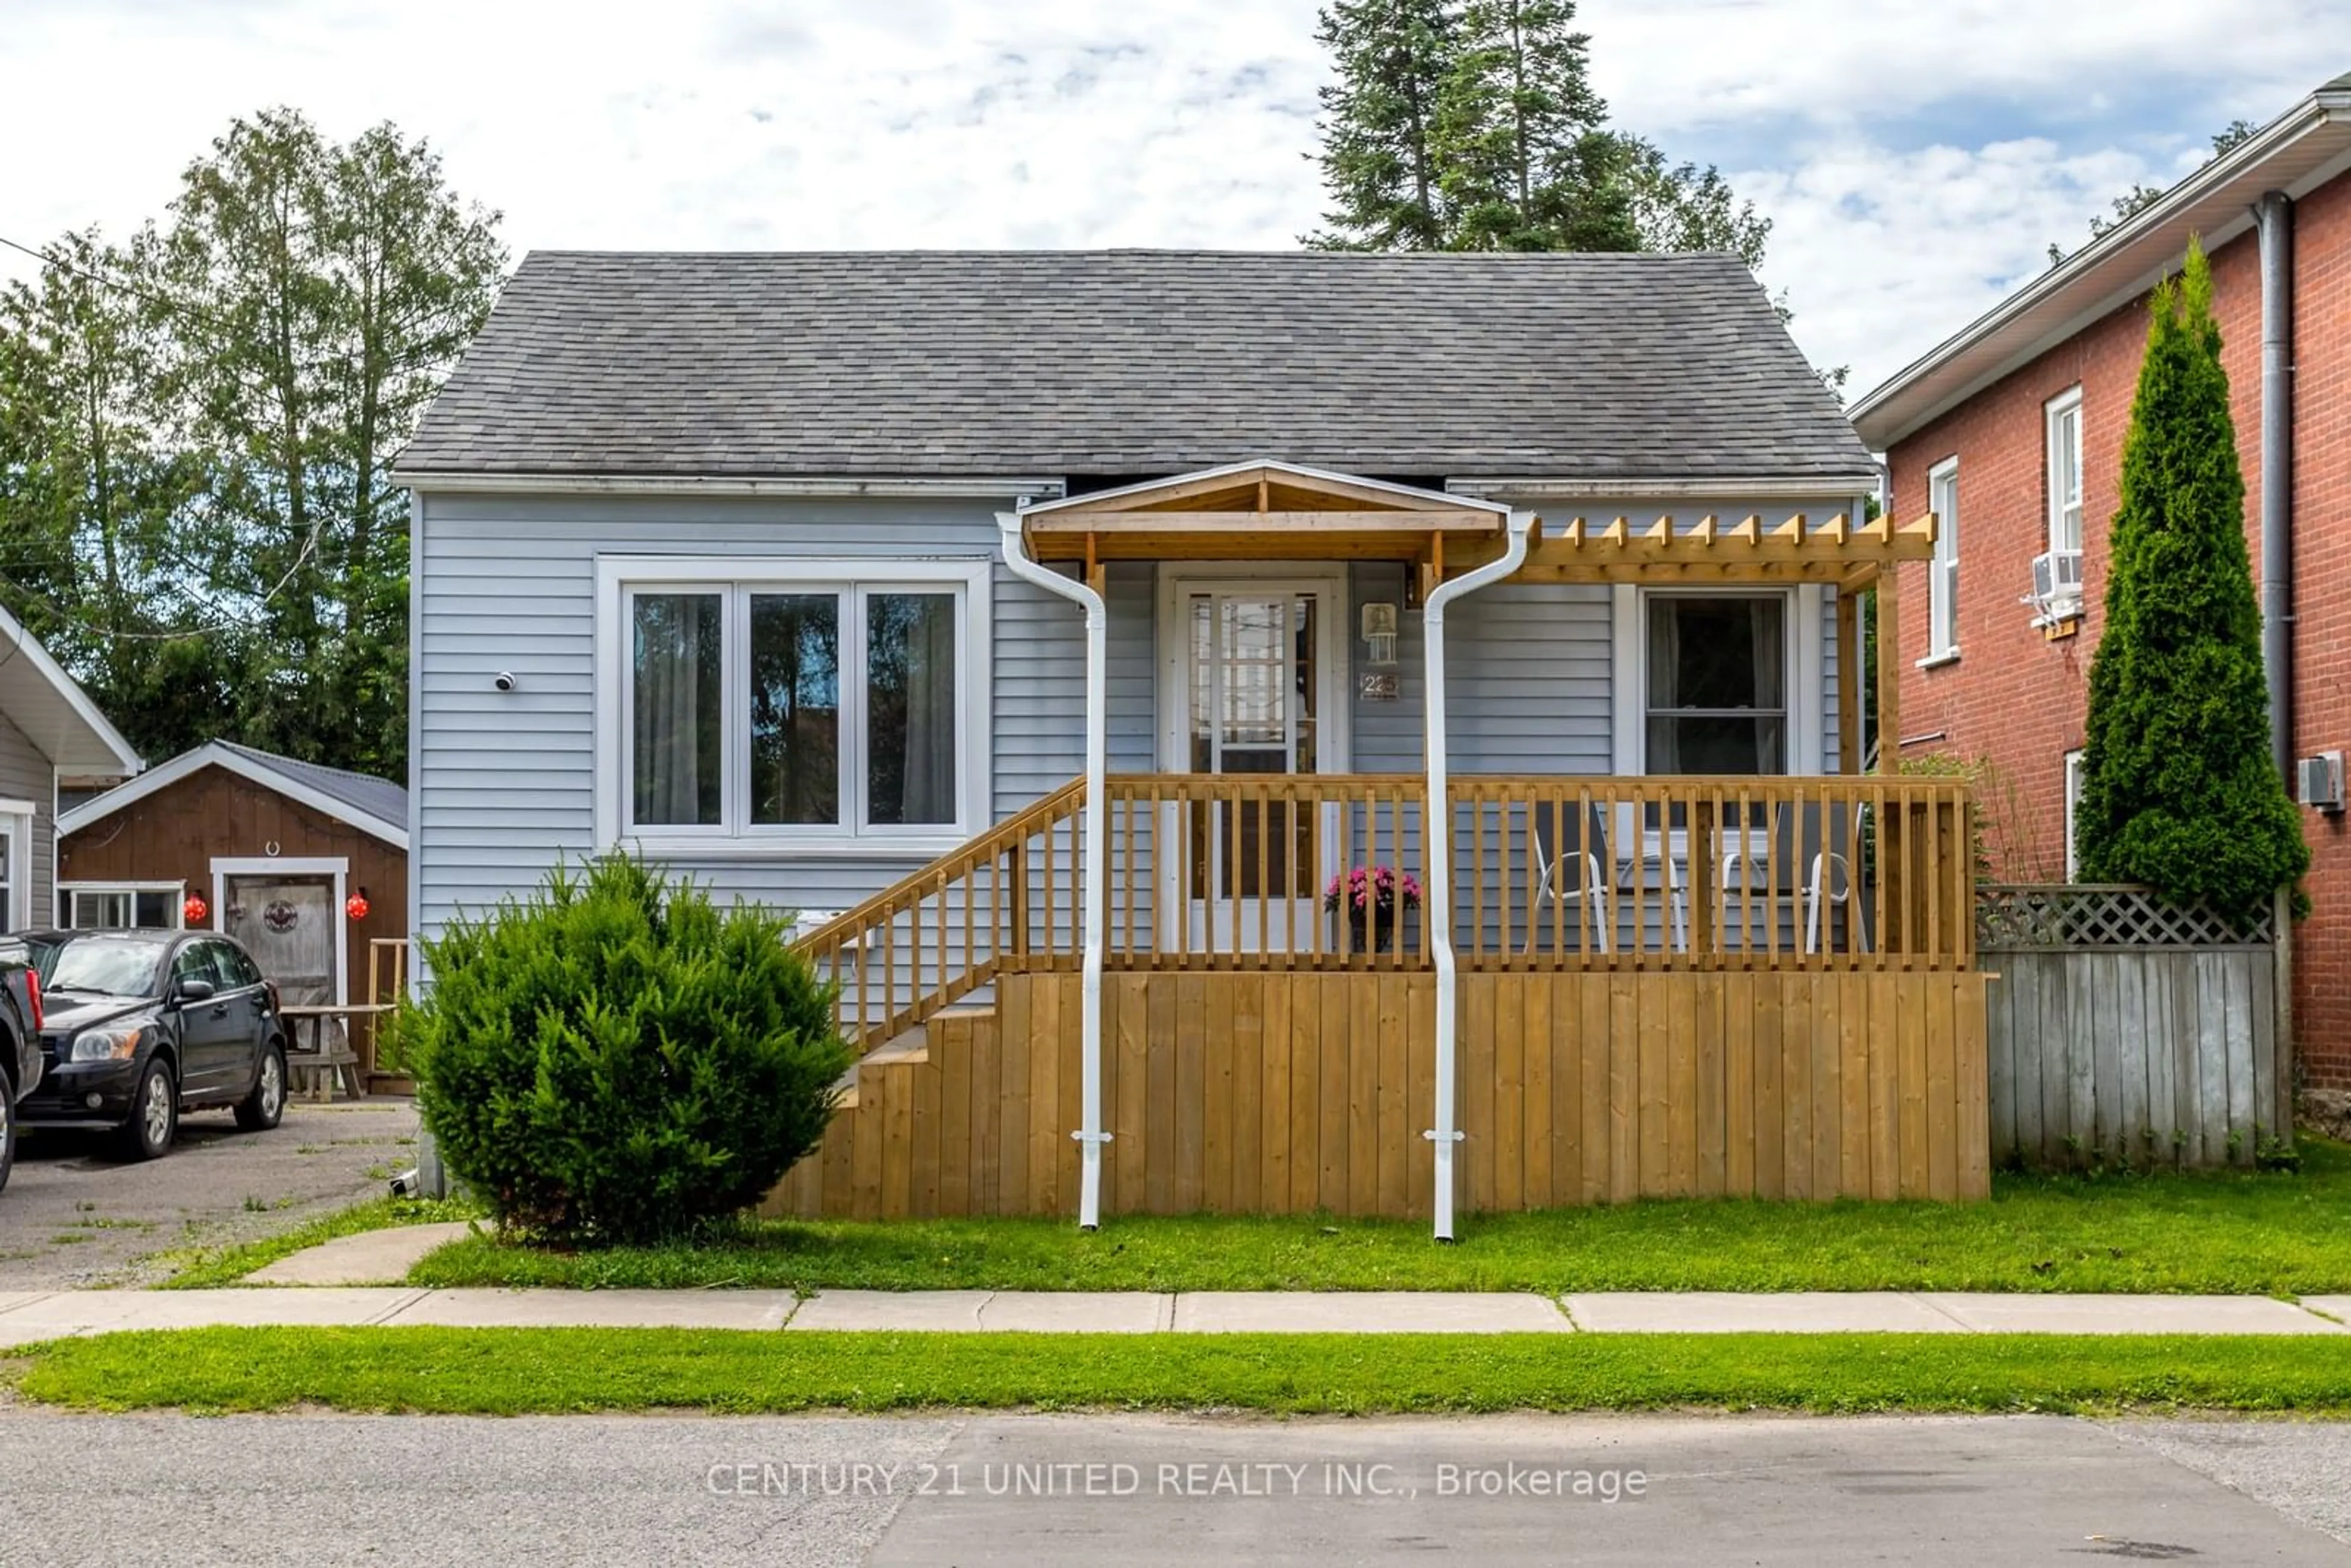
x=28, y=1316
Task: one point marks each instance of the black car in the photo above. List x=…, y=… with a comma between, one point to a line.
x=20, y=1044
x=139, y=1026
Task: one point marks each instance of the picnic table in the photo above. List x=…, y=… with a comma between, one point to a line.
x=315, y=1066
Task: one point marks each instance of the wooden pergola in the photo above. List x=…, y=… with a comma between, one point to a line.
x=1852, y=558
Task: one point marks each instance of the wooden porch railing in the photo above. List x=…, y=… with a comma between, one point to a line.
x=1231, y=871
x=1012, y=894
x=1713, y=872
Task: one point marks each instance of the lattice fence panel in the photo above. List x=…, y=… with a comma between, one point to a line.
x=2068, y=917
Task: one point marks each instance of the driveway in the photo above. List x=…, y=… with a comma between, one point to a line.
x=74, y=1215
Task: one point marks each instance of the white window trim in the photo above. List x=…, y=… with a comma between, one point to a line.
x=617, y=576
x=1629, y=690
x=179, y=890
x=2056, y=408
x=1941, y=568
x=336, y=866
x=16, y=823
x=2070, y=785
x=1807, y=677
x=1334, y=747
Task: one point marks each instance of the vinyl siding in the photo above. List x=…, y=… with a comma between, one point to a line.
x=505, y=781
x=26, y=775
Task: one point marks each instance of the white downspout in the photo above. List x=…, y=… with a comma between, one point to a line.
x=1437, y=841
x=1090, y=1135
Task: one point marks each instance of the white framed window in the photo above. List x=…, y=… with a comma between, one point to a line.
x=122, y=905
x=785, y=704
x=1943, y=578
x=1637, y=695
x=13, y=869
x=1715, y=682
x=2073, y=808
x=2064, y=441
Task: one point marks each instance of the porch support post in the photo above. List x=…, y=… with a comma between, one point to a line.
x=1889, y=669
x=1849, y=664
x=1436, y=816
x=1089, y=1134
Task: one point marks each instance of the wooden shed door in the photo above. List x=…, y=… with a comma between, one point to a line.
x=291, y=926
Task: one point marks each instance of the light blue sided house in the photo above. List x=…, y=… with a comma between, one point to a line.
x=1058, y=632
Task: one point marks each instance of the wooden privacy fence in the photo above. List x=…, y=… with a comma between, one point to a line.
x=2122, y=1029
x=1288, y=1093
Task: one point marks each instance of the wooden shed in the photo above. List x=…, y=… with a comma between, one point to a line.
x=307, y=865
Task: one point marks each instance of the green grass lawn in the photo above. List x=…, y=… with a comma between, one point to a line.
x=2234, y=1232
x=556, y=1371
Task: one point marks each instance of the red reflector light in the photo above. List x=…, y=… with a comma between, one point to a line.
x=32, y=990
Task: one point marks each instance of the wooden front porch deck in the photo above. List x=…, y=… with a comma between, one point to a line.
x=1757, y=988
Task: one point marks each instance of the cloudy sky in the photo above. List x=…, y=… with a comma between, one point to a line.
x=1917, y=158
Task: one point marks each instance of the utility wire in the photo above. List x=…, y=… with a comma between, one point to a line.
x=178, y=307
x=309, y=542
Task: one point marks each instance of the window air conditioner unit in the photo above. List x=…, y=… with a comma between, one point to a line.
x=2322, y=781
x=2057, y=584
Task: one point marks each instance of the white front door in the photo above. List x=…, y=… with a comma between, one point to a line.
x=1253, y=685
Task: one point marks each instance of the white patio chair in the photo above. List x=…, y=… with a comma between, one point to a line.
x=1796, y=838
x=1574, y=873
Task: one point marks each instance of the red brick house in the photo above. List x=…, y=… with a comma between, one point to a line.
x=2012, y=430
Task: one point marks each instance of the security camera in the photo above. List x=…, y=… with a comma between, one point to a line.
x=504, y=680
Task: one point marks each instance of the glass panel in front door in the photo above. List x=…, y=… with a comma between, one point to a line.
x=1253, y=700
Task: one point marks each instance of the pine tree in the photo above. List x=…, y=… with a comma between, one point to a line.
x=1391, y=58
x=1525, y=161
x=2178, y=789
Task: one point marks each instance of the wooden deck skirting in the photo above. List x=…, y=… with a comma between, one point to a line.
x=1297, y=1091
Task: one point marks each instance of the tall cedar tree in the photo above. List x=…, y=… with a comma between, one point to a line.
x=2178, y=789
x=1523, y=158
x=1475, y=127
x=1391, y=58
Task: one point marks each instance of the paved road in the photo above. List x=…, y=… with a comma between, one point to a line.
x=249, y=1491
x=72, y=1214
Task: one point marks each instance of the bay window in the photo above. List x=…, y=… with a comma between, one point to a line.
x=797, y=702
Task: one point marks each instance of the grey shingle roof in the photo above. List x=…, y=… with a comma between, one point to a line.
x=378, y=797
x=1046, y=363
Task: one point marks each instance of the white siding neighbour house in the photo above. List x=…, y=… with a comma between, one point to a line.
x=49, y=730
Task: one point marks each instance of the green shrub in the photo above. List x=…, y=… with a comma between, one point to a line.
x=614, y=1060
x=2178, y=787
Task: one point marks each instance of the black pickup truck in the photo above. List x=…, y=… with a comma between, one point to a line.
x=20, y=1043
